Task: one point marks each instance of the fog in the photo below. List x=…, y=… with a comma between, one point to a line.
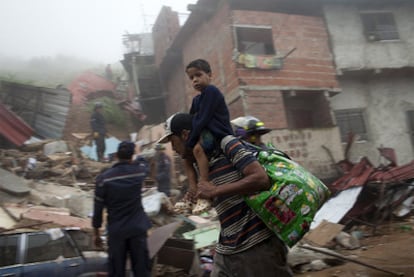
x=90, y=30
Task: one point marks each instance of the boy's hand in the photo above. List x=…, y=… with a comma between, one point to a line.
x=191, y=195
x=206, y=190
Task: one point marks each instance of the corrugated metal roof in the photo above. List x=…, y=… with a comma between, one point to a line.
x=44, y=109
x=13, y=128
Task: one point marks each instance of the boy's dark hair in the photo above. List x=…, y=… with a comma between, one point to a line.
x=200, y=64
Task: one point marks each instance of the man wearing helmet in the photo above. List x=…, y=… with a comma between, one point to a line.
x=250, y=129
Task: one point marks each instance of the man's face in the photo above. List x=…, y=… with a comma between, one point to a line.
x=178, y=144
x=199, y=79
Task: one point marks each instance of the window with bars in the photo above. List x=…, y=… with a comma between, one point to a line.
x=379, y=26
x=351, y=121
x=255, y=41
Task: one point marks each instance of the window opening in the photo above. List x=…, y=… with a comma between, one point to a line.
x=351, y=121
x=379, y=26
x=255, y=41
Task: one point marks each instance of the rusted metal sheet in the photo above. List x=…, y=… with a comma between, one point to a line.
x=363, y=172
x=394, y=174
x=384, y=188
x=356, y=176
x=13, y=128
x=44, y=109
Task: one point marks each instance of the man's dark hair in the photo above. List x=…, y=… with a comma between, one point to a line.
x=200, y=64
x=126, y=150
x=180, y=122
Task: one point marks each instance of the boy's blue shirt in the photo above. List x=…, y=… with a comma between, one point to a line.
x=210, y=112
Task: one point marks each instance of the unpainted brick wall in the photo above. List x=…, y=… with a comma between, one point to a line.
x=310, y=66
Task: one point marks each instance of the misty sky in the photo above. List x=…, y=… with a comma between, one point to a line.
x=90, y=29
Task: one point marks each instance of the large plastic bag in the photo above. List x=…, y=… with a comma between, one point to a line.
x=291, y=203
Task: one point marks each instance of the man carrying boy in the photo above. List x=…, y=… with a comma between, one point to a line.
x=246, y=247
x=211, y=121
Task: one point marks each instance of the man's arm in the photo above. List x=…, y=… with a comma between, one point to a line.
x=255, y=179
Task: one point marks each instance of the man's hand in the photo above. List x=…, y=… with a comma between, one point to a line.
x=98, y=242
x=97, y=239
x=206, y=190
x=95, y=135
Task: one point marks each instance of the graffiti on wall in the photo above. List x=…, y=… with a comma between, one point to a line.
x=305, y=147
x=294, y=144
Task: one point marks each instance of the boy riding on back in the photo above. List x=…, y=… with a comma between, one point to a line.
x=211, y=123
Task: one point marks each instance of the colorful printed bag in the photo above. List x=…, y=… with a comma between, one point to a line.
x=295, y=196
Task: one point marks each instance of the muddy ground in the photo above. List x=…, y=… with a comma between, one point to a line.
x=391, y=249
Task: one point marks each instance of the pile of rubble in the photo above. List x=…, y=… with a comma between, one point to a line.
x=50, y=184
x=364, y=200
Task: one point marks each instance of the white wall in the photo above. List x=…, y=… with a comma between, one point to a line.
x=351, y=49
x=385, y=101
x=385, y=98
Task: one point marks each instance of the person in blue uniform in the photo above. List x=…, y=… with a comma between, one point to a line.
x=163, y=169
x=98, y=127
x=118, y=189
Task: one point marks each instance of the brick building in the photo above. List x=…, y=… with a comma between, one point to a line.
x=271, y=59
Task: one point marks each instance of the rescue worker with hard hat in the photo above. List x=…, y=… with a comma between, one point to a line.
x=250, y=129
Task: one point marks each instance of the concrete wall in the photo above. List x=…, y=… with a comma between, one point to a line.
x=165, y=28
x=305, y=147
x=385, y=97
x=351, y=48
x=385, y=101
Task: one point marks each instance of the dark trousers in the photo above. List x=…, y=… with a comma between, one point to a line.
x=267, y=259
x=137, y=248
x=164, y=186
x=100, y=147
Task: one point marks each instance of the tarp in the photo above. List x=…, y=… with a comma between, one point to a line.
x=111, y=147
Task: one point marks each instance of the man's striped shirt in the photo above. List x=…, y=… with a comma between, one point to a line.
x=241, y=228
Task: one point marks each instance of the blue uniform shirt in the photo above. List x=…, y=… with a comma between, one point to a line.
x=98, y=123
x=118, y=189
